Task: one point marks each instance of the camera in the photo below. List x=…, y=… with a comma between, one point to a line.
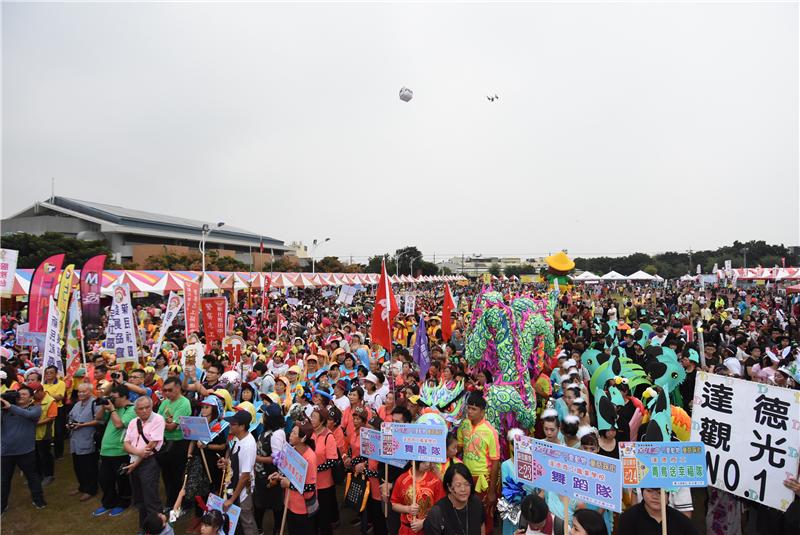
x=71, y=424
x=115, y=375
x=11, y=396
x=104, y=401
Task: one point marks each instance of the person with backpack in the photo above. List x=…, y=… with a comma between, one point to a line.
x=271, y=441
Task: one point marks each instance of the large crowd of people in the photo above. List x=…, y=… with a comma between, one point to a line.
x=309, y=376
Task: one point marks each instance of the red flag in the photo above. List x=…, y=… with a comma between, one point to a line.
x=447, y=308
x=91, y=283
x=43, y=284
x=384, y=312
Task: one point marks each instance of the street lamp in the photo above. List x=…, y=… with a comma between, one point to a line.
x=744, y=252
x=411, y=264
x=205, y=230
x=397, y=258
x=314, y=244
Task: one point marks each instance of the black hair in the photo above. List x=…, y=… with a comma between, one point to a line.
x=217, y=366
x=591, y=521
x=335, y=414
x=404, y=411
x=359, y=392
x=25, y=387
x=216, y=519
x=380, y=376
x=570, y=428
x=121, y=390
x=460, y=469
x=533, y=509
x=173, y=381
x=153, y=524
x=451, y=437
x=476, y=399
x=51, y=367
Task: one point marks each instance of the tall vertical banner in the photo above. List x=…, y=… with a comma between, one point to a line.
x=43, y=284
x=52, y=341
x=751, y=435
x=74, y=335
x=121, y=329
x=64, y=291
x=447, y=319
x=214, y=311
x=8, y=268
x=174, y=306
x=191, y=293
x=91, y=281
x=421, y=354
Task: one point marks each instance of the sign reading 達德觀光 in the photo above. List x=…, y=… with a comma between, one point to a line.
x=750, y=432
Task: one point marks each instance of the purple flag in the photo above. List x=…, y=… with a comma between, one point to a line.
x=421, y=355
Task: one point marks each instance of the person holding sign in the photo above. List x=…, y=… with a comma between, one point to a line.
x=413, y=495
x=481, y=453
x=646, y=518
x=298, y=519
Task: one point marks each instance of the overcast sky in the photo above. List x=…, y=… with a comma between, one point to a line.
x=620, y=127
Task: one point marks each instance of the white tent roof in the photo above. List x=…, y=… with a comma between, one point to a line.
x=659, y=277
x=612, y=276
x=641, y=276
x=586, y=276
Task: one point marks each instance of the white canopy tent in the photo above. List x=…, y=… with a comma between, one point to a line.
x=641, y=276
x=586, y=276
x=612, y=276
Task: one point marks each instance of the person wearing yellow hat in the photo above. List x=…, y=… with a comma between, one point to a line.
x=283, y=389
x=226, y=397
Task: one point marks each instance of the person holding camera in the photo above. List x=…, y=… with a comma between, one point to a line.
x=18, y=443
x=117, y=411
x=81, y=423
x=143, y=438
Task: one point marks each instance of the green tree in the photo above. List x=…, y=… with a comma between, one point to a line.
x=34, y=249
x=494, y=269
x=650, y=269
x=330, y=264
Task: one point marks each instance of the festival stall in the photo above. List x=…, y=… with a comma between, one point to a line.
x=162, y=282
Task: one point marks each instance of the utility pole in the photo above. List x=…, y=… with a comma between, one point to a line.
x=744, y=252
x=690, y=259
x=462, y=263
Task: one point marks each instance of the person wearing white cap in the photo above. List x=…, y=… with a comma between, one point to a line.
x=372, y=398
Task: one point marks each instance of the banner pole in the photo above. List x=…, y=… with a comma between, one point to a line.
x=385, y=482
x=663, y=512
x=565, y=501
x=285, y=508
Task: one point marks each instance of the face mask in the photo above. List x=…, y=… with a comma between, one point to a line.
x=530, y=531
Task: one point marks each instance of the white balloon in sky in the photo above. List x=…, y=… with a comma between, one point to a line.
x=406, y=94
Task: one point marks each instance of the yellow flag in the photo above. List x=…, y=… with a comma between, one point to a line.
x=64, y=291
x=487, y=278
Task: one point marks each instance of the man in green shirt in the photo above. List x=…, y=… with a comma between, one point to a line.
x=172, y=456
x=117, y=414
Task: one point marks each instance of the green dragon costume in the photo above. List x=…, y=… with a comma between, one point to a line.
x=510, y=341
